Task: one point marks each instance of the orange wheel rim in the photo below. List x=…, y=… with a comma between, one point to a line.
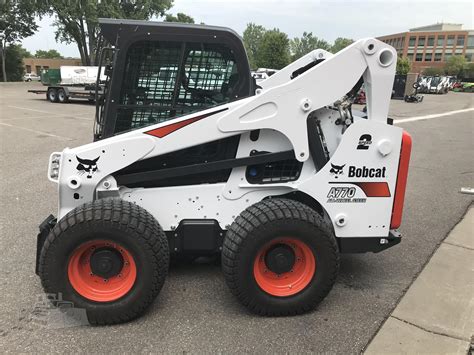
x=97, y=288
x=287, y=283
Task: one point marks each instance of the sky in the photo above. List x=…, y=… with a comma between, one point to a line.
x=327, y=19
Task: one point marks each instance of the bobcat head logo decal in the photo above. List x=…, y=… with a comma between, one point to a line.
x=87, y=166
x=336, y=170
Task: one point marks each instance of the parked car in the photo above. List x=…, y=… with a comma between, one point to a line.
x=439, y=85
x=465, y=87
x=31, y=77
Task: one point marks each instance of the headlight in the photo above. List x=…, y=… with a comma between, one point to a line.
x=53, y=168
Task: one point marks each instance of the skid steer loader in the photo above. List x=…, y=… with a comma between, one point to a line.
x=191, y=157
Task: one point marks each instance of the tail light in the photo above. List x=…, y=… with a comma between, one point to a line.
x=402, y=177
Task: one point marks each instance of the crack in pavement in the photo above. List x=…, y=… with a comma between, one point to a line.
x=457, y=245
x=429, y=330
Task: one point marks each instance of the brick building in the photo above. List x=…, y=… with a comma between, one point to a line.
x=34, y=65
x=431, y=46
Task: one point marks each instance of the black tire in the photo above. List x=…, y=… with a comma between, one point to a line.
x=260, y=224
x=123, y=223
x=62, y=96
x=52, y=95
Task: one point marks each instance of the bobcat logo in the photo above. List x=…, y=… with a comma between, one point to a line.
x=87, y=166
x=337, y=170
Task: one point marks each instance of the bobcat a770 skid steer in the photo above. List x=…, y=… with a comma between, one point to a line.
x=190, y=158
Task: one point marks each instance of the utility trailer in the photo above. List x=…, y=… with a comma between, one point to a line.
x=71, y=82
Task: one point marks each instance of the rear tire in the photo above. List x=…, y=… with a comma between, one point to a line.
x=292, y=227
x=132, y=238
x=52, y=95
x=62, y=96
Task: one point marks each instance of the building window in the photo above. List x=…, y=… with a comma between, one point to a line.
x=469, y=57
x=450, y=41
x=46, y=67
x=410, y=57
x=421, y=41
x=419, y=57
x=28, y=68
x=460, y=41
x=470, y=42
x=428, y=57
x=38, y=69
x=440, y=42
x=447, y=56
x=430, y=41
x=437, y=57
x=412, y=42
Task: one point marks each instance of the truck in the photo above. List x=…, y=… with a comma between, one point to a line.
x=71, y=82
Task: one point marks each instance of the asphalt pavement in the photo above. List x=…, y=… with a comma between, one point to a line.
x=195, y=312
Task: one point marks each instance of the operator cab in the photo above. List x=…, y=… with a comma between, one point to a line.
x=157, y=71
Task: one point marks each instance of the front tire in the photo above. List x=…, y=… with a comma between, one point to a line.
x=109, y=257
x=280, y=258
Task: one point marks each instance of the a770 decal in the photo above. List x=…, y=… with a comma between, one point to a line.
x=346, y=193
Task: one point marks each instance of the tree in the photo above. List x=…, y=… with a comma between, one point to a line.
x=51, y=54
x=301, y=46
x=455, y=65
x=433, y=71
x=16, y=22
x=403, y=66
x=252, y=38
x=341, y=43
x=14, y=68
x=274, y=50
x=77, y=21
x=180, y=17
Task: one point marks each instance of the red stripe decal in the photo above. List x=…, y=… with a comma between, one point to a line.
x=165, y=130
x=374, y=189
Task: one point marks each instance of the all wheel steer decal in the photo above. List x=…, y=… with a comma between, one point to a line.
x=346, y=194
x=165, y=130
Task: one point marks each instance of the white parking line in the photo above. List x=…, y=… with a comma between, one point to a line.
x=30, y=109
x=427, y=117
x=50, y=114
x=35, y=131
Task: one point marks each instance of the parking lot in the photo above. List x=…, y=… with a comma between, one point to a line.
x=195, y=312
